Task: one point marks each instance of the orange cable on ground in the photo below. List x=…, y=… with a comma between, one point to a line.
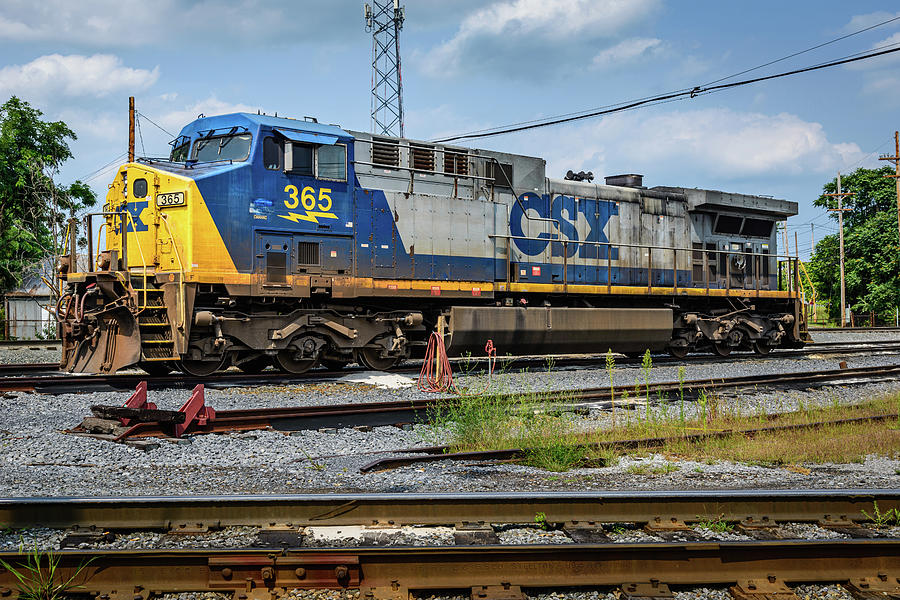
x=437, y=374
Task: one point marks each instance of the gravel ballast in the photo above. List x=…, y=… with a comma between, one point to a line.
x=38, y=459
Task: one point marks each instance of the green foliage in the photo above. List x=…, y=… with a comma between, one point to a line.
x=871, y=254
x=33, y=207
x=718, y=524
x=882, y=519
x=38, y=575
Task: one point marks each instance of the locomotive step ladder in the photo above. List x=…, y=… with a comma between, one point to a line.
x=157, y=344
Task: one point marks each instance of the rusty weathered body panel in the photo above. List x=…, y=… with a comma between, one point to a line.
x=558, y=330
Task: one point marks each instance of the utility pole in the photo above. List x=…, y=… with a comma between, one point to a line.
x=840, y=211
x=131, y=129
x=896, y=160
x=384, y=18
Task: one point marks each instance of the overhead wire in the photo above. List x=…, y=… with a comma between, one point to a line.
x=810, y=49
x=152, y=122
x=769, y=63
x=693, y=93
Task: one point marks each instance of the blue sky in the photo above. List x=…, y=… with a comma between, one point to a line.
x=472, y=64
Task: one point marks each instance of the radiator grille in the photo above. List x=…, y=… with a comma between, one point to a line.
x=386, y=153
x=422, y=157
x=455, y=163
x=308, y=253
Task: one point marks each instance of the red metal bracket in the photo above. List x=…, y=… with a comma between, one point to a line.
x=137, y=400
x=195, y=409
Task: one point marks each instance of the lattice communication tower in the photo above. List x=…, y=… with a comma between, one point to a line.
x=384, y=18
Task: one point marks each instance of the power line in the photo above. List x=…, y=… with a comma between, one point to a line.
x=155, y=125
x=810, y=49
x=692, y=93
x=706, y=84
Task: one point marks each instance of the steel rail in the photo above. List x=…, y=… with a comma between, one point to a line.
x=87, y=383
x=18, y=368
x=299, y=418
x=154, y=512
x=392, y=573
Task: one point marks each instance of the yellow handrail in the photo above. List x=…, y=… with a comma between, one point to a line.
x=99, y=232
x=165, y=221
x=811, y=287
x=140, y=250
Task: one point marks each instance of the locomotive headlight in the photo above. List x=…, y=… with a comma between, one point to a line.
x=170, y=199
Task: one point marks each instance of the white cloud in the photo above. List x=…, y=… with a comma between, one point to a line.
x=716, y=143
x=858, y=22
x=130, y=23
x=73, y=75
x=626, y=51
x=519, y=31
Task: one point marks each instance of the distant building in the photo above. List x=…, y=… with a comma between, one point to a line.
x=27, y=309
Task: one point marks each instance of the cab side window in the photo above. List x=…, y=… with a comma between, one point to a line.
x=332, y=162
x=302, y=162
x=272, y=154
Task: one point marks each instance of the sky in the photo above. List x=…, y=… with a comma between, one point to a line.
x=473, y=64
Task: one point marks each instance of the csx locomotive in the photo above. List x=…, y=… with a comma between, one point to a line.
x=265, y=240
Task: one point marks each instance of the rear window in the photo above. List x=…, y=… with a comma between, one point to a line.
x=223, y=147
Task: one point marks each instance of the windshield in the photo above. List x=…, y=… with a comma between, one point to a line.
x=224, y=147
x=180, y=153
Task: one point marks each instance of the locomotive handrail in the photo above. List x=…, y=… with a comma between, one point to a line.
x=755, y=257
x=140, y=251
x=182, y=313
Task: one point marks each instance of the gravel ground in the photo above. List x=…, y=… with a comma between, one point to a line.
x=9, y=356
x=325, y=536
x=804, y=592
x=37, y=458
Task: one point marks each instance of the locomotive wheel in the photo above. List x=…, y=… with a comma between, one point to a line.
x=761, y=347
x=334, y=364
x=255, y=365
x=201, y=368
x=369, y=358
x=678, y=351
x=721, y=349
x=286, y=361
x=157, y=368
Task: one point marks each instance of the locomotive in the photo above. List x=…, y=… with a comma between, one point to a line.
x=272, y=241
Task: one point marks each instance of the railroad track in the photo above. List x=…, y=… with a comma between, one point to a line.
x=763, y=566
x=69, y=383
x=373, y=414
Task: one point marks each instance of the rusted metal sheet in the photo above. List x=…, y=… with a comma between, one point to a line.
x=543, y=330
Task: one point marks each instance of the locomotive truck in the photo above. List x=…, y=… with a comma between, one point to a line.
x=272, y=241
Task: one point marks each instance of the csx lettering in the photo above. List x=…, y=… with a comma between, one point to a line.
x=565, y=210
x=307, y=197
x=135, y=209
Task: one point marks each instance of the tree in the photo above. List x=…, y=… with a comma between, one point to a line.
x=871, y=246
x=33, y=207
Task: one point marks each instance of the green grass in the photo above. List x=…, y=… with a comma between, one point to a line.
x=39, y=576
x=552, y=441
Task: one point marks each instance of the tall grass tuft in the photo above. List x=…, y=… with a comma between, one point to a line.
x=39, y=576
x=610, y=369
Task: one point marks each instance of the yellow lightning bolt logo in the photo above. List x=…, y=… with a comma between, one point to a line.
x=311, y=216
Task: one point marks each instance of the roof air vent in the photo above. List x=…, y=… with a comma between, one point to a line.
x=632, y=180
